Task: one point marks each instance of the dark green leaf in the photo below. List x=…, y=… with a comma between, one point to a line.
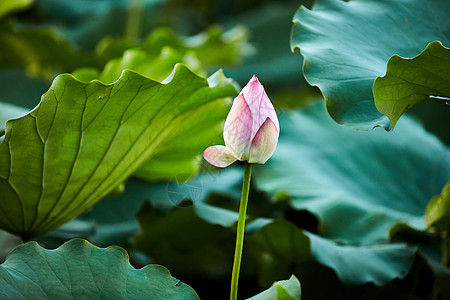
x=409, y=82
x=177, y=239
x=353, y=264
x=113, y=220
x=79, y=270
x=86, y=22
x=432, y=257
x=44, y=52
x=346, y=45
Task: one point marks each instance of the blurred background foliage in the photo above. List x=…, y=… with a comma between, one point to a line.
x=344, y=211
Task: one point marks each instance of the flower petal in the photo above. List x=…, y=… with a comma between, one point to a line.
x=259, y=104
x=237, y=131
x=264, y=143
x=266, y=110
x=219, y=156
x=253, y=92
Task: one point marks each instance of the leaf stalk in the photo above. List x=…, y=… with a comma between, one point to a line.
x=240, y=230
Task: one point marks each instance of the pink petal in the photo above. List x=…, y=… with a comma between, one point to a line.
x=237, y=132
x=253, y=92
x=259, y=104
x=219, y=156
x=266, y=110
x=264, y=143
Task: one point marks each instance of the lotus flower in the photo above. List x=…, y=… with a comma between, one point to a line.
x=251, y=129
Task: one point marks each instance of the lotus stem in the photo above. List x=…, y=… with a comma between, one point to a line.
x=240, y=231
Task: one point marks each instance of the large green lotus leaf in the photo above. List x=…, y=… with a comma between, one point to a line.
x=346, y=45
x=409, y=82
x=179, y=158
x=358, y=183
x=281, y=290
x=84, y=139
x=80, y=270
x=353, y=264
x=7, y=7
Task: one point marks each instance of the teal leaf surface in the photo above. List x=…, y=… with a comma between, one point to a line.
x=357, y=183
x=346, y=45
x=355, y=265
x=79, y=270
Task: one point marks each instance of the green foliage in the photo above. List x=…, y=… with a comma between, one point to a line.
x=272, y=61
x=345, y=46
x=348, y=213
x=79, y=270
x=178, y=237
x=85, y=22
x=281, y=290
x=353, y=264
x=43, y=52
x=83, y=140
x=40, y=51
x=203, y=124
x=214, y=46
x=358, y=183
x=355, y=214
x=156, y=67
x=353, y=196
x=438, y=210
x=113, y=220
x=163, y=48
x=409, y=82
x=8, y=7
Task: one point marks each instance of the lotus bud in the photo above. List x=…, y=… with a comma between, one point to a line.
x=251, y=129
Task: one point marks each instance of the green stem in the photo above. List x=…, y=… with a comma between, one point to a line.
x=240, y=231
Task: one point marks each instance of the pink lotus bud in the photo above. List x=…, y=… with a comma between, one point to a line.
x=251, y=129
